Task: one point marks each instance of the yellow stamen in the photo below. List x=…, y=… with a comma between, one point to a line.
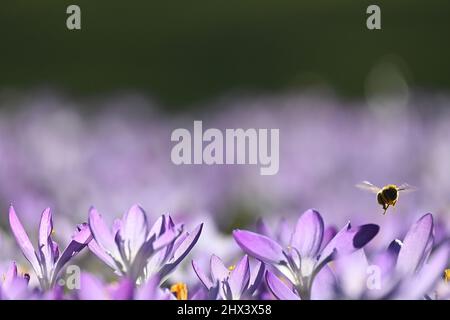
x=232, y=267
x=22, y=270
x=180, y=289
x=53, y=232
x=447, y=275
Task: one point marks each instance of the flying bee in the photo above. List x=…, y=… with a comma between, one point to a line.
x=388, y=195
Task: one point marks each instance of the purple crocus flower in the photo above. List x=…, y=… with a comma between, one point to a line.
x=14, y=286
x=93, y=288
x=47, y=262
x=408, y=269
x=304, y=257
x=138, y=251
x=442, y=291
x=419, y=265
x=233, y=283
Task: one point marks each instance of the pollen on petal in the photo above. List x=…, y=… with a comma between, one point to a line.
x=22, y=270
x=180, y=290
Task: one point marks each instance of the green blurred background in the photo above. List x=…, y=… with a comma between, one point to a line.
x=184, y=53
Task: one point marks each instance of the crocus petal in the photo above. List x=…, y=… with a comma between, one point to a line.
x=427, y=251
x=145, y=261
x=151, y=291
x=102, y=234
x=323, y=285
x=148, y=290
x=239, y=278
x=134, y=230
x=259, y=246
x=124, y=290
x=161, y=250
x=162, y=225
x=199, y=294
x=386, y=260
x=154, y=253
x=24, y=241
x=188, y=243
x=284, y=232
x=182, y=250
x=177, y=243
x=262, y=228
x=329, y=233
x=201, y=275
x=415, y=244
x=80, y=240
x=348, y=240
x=55, y=293
x=384, y=280
x=55, y=251
x=215, y=292
x=156, y=262
x=256, y=275
x=218, y=270
x=168, y=237
x=352, y=270
x=156, y=257
x=308, y=233
x=45, y=242
x=280, y=290
x=226, y=293
x=100, y=253
x=92, y=288
x=11, y=274
x=16, y=290
x=121, y=248
x=170, y=223
x=157, y=228
x=117, y=225
x=45, y=227
x=428, y=276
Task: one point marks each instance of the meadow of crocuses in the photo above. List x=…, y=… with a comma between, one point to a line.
x=91, y=207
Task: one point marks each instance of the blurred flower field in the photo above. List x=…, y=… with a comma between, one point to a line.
x=140, y=227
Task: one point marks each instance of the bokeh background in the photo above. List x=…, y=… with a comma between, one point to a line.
x=86, y=116
x=183, y=53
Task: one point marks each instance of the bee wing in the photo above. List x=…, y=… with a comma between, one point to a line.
x=406, y=188
x=366, y=185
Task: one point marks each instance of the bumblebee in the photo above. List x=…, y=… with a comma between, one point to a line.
x=388, y=195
